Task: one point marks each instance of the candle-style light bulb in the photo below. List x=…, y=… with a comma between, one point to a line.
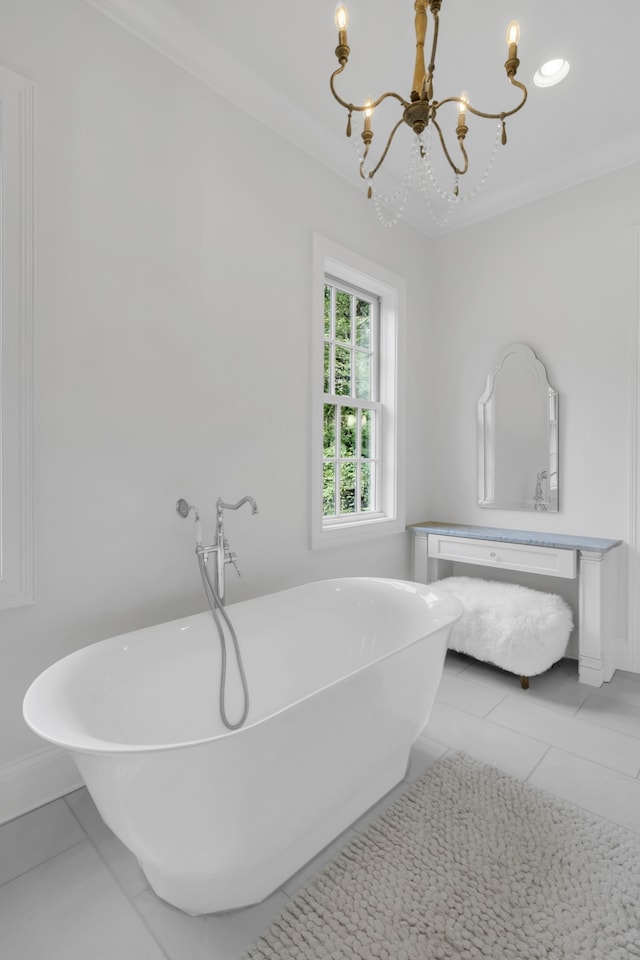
x=513, y=33
x=342, y=17
x=368, y=113
x=342, y=22
x=461, y=129
x=513, y=38
x=462, y=106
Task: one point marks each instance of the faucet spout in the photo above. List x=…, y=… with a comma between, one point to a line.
x=220, y=505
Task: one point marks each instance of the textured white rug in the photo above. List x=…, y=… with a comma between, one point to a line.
x=470, y=863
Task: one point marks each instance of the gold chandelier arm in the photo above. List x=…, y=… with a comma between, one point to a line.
x=372, y=173
x=376, y=103
x=521, y=86
x=354, y=108
x=455, y=169
x=490, y=116
x=343, y=103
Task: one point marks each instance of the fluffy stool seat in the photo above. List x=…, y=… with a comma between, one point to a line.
x=516, y=628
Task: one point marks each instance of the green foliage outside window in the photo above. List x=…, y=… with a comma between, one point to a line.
x=349, y=428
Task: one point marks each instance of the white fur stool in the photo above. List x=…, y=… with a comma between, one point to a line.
x=518, y=629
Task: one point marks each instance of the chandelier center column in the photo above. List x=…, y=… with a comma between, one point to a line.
x=419, y=72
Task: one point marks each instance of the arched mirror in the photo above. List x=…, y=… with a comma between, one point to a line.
x=518, y=435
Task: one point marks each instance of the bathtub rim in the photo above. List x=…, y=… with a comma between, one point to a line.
x=452, y=609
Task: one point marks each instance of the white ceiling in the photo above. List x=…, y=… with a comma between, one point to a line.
x=274, y=60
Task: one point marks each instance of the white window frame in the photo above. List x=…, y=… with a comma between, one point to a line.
x=16, y=339
x=331, y=259
x=361, y=405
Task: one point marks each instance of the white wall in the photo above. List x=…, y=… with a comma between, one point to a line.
x=174, y=241
x=172, y=336
x=557, y=275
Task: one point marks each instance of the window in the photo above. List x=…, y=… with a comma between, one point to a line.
x=16, y=333
x=357, y=450
x=352, y=412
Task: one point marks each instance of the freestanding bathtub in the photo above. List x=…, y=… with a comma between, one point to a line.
x=342, y=676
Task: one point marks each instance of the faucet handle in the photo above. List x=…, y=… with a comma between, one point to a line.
x=233, y=558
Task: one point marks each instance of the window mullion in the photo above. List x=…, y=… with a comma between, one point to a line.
x=375, y=352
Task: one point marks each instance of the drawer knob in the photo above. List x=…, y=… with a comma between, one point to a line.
x=493, y=555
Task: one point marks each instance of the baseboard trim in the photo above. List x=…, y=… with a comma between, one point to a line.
x=34, y=780
x=624, y=655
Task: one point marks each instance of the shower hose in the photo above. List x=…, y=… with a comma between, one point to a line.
x=215, y=605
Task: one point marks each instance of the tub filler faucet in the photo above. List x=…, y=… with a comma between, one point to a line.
x=221, y=545
x=219, y=549
x=214, y=591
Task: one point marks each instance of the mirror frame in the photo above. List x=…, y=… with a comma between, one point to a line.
x=545, y=493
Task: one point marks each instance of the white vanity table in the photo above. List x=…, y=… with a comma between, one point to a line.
x=590, y=560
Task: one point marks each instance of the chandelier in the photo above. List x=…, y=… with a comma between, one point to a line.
x=422, y=113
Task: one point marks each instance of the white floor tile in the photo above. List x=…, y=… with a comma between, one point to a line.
x=455, y=663
x=223, y=936
x=512, y=752
x=122, y=863
x=70, y=908
x=602, y=791
x=379, y=808
x=298, y=880
x=478, y=672
x=28, y=841
x=477, y=698
x=614, y=714
x=586, y=739
x=557, y=687
x=424, y=754
x=623, y=686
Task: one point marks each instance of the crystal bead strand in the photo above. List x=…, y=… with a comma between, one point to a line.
x=451, y=197
x=487, y=170
x=423, y=152
x=390, y=200
x=403, y=191
x=420, y=167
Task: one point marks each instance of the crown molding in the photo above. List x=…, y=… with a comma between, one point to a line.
x=160, y=26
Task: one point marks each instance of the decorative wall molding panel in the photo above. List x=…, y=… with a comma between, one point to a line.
x=633, y=632
x=16, y=340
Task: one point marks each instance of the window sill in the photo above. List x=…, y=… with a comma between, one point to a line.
x=339, y=533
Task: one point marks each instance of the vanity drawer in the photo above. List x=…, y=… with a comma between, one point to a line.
x=549, y=561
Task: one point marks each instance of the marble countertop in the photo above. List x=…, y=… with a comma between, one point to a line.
x=560, y=541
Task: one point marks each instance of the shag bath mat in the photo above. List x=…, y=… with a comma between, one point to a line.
x=470, y=863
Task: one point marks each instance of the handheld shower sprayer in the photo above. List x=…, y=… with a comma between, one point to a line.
x=214, y=591
x=183, y=509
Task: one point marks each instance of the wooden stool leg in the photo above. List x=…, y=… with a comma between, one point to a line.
x=524, y=683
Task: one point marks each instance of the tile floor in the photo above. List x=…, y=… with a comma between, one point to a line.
x=69, y=889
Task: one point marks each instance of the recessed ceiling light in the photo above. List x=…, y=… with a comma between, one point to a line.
x=551, y=72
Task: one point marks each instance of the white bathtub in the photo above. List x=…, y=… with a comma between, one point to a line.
x=342, y=676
